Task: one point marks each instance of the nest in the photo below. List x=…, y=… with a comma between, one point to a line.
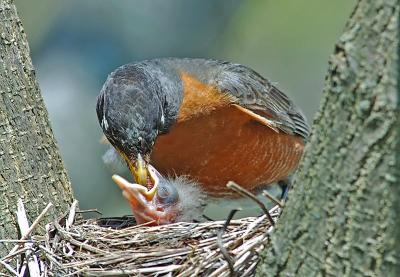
x=116, y=246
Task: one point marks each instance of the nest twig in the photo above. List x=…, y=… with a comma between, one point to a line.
x=100, y=248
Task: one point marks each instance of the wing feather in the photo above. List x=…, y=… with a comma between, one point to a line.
x=257, y=94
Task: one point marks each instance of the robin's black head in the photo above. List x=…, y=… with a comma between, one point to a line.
x=136, y=103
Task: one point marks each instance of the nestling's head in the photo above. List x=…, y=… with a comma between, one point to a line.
x=169, y=200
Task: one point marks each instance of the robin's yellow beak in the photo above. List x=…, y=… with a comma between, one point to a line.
x=140, y=171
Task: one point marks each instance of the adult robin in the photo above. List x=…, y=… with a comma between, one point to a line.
x=213, y=121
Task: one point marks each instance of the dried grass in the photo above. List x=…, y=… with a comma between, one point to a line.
x=116, y=247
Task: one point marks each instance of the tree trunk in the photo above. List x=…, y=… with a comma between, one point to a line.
x=342, y=218
x=30, y=163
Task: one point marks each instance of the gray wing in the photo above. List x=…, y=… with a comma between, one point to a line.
x=251, y=90
x=257, y=94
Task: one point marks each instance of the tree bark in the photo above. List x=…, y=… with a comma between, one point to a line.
x=30, y=164
x=342, y=216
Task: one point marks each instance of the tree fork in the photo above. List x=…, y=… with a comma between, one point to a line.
x=342, y=217
x=30, y=164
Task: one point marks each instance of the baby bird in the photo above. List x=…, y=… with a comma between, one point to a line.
x=169, y=200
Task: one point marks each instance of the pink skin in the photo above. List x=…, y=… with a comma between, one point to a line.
x=144, y=204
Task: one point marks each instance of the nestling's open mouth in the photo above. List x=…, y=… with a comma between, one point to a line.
x=144, y=201
x=130, y=190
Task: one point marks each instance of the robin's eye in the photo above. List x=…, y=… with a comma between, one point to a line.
x=167, y=194
x=141, y=142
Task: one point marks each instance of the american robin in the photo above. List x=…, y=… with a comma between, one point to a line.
x=213, y=121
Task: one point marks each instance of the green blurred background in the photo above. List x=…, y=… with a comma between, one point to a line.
x=75, y=44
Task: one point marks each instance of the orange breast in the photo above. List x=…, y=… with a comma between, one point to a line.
x=223, y=145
